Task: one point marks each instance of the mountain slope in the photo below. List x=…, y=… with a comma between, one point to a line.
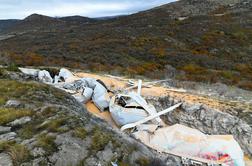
x=5, y=24
x=207, y=41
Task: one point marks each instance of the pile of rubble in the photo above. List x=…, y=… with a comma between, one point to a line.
x=132, y=113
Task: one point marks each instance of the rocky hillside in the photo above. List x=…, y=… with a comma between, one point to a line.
x=40, y=125
x=207, y=41
x=5, y=24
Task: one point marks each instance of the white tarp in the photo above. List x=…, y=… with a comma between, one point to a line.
x=64, y=73
x=100, y=94
x=90, y=88
x=87, y=94
x=148, y=107
x=30, y=72
x=84, y=96
x=184, y=140
x=132, y=111
x=45, y=76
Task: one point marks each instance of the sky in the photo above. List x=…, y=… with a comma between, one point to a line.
x=19, y=9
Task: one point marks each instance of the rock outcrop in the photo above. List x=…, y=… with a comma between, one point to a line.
x=207, y=120
x=52, y=128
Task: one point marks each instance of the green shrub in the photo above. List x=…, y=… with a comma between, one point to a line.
x=12, y=67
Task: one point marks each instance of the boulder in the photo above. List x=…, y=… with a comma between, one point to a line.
x=5, y=160
x=20, y=121
x=4, y=129
x=13, y=104
x=8, y=136
x=71, y=150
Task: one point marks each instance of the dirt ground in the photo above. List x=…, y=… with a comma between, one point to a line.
x=115, y=83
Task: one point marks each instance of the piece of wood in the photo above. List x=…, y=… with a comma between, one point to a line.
x=139, y=87
x=131, y=125
x=142, y=102
x=135, y=86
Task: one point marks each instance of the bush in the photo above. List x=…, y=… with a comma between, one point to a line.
x=193, y=69
x=227, y=74
x=246, y=85
x=13, y=67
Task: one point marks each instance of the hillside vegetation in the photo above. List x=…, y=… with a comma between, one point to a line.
x=206, y=41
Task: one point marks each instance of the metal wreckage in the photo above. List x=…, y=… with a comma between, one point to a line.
x=132, y=113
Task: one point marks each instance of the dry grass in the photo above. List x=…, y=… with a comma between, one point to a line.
x=9, y=114
x=80, y=132
x=47, y=143
x=55, y=124
x=100, y=139
x=19, y=153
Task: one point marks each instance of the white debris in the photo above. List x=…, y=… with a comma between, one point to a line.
x=100, y=96
x=90, y=88
x=30, y=72
x=125, y=115
x=65, y=74
x=56, y=79
x=152, y=116
x=127, y=109
x=182, y=18
x=87, y=94
x=44, y=76
x=139, y=88
x=187, y=141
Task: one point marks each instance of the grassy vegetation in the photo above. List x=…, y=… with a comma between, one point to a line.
x=80, y=132
x=143, y=161
x=100, y=139
x=14, y=89
x=47, y=143
x=9, y=114
x=12, y=67
x=27, y=131
x=19, y=153
x=31, y=92
x=54, y=124
x=48, y=112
